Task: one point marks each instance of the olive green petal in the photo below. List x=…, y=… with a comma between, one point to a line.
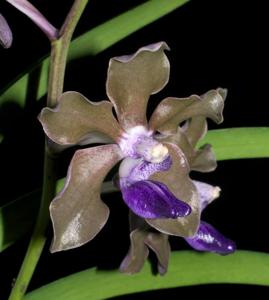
x=196, y=127
x=141, y=238
x=172, y=111
x=159, y=243
x=76, y=120
x=77, y=212
x=133, y=78
x=137, y=254
x=204, y=160
x=178, y=181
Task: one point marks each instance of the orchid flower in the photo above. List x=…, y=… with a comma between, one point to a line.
x=156, y=159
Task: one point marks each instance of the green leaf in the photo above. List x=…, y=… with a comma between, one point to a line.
x=17, y=218
x=233, y=143
x=185, y=268
x=238, y=143
x=96, y=41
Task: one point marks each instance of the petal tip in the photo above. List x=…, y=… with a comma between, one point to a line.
x=223, y=92
x=155, y=47
x=210, y=240
x=162, y=270
x=216, y=192
x=54, y=248
x=231, y=248
x=6, y=36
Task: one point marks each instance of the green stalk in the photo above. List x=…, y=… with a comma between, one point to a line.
x=59, y=51
x=38, y=238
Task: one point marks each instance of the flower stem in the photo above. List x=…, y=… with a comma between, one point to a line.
x=59, y=51
x=38, y=238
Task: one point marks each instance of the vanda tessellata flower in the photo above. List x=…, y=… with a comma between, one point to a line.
x=156, y=159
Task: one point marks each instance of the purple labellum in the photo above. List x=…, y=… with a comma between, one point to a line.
x=151, y=199
x=209, y=239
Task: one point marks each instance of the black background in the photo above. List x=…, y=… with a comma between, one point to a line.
x=213, y=44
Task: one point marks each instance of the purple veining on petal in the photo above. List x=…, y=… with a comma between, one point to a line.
x=209, y=239
x=151, y=199
x=132, y=170
x=145, y=169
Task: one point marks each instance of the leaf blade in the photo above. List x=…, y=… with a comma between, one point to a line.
x=186, y=268
x=239, y=143
x=17, y=218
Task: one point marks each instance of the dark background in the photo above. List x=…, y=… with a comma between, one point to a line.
x=213, y=44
